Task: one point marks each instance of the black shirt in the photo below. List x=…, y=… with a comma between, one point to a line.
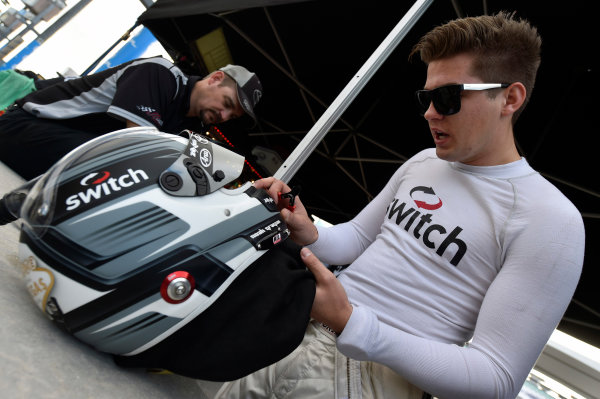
x=147, y=92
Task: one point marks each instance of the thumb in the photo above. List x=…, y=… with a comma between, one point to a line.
x=286, y=214
x=314, y=264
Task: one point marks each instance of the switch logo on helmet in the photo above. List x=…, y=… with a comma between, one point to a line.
x=86, y=180
x=101, y=184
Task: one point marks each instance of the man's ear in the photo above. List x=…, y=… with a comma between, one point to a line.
x=514, y=98
x=216, y=77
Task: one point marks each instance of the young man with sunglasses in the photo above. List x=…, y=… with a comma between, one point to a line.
x=461, y=267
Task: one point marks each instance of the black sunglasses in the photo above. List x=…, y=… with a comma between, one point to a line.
x=446, y=99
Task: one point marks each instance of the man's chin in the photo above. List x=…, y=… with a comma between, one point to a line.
x=208, y=119
x=204, y=118
x=444, y=154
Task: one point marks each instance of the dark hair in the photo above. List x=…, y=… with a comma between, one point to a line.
x=506, y=49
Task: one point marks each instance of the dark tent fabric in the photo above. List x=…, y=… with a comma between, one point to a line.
x=305, y=52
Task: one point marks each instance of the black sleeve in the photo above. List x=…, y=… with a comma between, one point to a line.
x=144, y=93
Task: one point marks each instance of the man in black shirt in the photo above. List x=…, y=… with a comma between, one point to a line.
x=46, y=124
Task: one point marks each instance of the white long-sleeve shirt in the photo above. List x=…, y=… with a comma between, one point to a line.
x=449, y=253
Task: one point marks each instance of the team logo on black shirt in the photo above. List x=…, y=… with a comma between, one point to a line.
x=151, y=113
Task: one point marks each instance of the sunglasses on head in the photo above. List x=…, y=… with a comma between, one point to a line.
x=446, y=99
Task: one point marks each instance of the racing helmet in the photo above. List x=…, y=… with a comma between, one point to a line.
x=131, y=237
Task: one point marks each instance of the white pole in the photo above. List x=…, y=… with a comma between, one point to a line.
x=314, y=136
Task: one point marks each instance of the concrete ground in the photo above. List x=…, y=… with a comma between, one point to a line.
x=38, y=360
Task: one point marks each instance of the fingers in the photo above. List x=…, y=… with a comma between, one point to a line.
x=264, y=183
x=302, y=229
x=273, y=187
x=270, y=184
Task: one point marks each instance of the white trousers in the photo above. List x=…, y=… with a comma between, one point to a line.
x=317, y=370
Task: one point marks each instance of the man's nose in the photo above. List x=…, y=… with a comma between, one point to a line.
x=432, y=113
x=225, y=114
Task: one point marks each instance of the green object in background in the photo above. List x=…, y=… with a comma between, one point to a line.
x=13, y=86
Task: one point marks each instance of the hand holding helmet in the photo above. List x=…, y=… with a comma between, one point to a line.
x=302, y=229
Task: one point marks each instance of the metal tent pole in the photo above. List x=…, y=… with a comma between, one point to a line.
x=291, y=165
x=124, y=37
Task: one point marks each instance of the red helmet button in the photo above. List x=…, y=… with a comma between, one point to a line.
x=177, y=287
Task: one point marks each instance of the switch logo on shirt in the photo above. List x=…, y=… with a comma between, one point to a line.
x=422, y=224
x=425, y=198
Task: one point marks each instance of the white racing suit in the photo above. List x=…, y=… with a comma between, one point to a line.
x=315, y=370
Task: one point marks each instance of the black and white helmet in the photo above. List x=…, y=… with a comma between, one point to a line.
x=131, y=236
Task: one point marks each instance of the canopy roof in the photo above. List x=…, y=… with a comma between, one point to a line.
x=305, y=53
